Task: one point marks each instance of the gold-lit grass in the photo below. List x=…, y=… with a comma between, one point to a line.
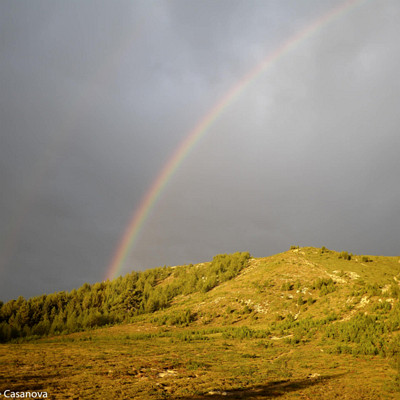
x=121, y=363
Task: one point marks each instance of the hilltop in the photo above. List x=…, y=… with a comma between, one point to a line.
x=306, y=323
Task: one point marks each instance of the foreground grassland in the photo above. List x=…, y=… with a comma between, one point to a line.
x=121, y=363
x=304, y=324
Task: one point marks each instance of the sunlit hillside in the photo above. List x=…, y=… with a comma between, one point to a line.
x=307, y=323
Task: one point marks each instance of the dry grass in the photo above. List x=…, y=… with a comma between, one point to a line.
x=121, y=363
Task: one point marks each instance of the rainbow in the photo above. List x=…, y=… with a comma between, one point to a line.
x=150, y=199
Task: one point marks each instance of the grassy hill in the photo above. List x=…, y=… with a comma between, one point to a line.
x=305, y=324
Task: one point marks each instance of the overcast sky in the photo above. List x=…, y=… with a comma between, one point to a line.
x=95, y=96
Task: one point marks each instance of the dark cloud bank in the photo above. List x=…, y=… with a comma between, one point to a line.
x=96, y=96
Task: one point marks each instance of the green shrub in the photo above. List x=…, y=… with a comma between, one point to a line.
x=324, y=285
x=244, y=332
x=345, y=255
x=395, y=290
x=287, y=286
x=365, y=331
x=247, y=309
x=310, y=301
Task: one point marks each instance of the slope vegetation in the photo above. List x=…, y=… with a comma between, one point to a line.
x=308, y=323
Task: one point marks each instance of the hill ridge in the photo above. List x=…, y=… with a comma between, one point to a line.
x=277, y=285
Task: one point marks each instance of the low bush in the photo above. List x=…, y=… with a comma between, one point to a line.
x=345, y=255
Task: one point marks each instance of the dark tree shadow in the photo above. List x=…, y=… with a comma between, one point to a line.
x=268, y=391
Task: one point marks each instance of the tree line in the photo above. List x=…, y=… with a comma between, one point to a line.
x=113, y=302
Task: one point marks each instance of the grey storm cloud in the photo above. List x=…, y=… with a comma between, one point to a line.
x=95, y=97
